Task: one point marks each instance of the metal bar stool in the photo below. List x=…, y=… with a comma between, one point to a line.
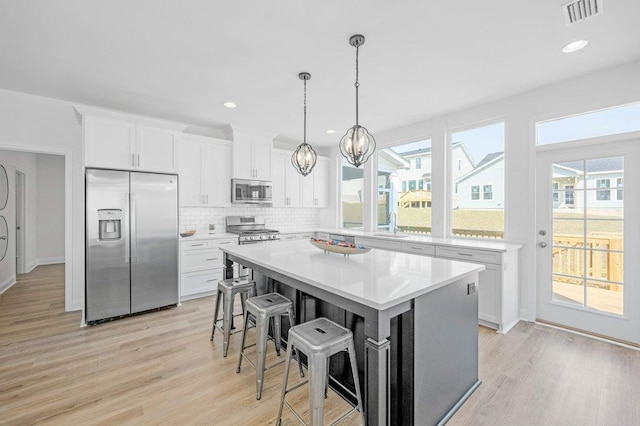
x=227, y=290
x=319, y=339
x=264, y=308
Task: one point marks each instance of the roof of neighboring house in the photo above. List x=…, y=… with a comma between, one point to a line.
x=426, y=175
x=486, y=162
x=488, y=158
x=597, y=165
x=413, y=152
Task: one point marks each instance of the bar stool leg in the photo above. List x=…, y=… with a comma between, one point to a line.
x=215, y=313
x=297, y=355
x=261, y=352
x=227, y=317
x=287, y=366
x=317, y=377
x=356, y=381
x=244, y=339
x=277, y=333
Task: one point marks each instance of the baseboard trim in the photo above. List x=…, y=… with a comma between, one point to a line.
x=623, y=343
x=50, y=261
x=7, y=284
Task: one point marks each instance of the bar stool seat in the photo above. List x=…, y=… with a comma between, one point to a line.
x=265, y=309
x=227, y=291
x=319, y=339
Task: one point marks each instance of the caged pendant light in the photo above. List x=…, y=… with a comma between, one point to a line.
x=304, y=157
x=357, y=145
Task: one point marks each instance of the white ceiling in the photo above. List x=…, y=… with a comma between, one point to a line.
x=181, y=59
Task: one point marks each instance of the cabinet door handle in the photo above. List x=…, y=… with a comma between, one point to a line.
x=465, y=254
x=196, y=245
x=225, y=242
x=138, y=160
x=206, y=198
x=133, y=160
x=212, y=258
x=210, y=281
x=417, y=248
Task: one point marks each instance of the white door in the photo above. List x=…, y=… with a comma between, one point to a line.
x=20, y=198
x=588, y=222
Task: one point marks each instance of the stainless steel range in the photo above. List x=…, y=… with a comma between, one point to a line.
x=251, y=230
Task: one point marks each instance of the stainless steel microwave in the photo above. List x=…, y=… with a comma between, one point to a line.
x=251, y=191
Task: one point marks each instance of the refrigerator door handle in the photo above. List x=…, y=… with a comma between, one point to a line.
x=132, y=227
x=125, y=220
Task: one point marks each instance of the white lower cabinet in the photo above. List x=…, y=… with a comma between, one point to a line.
x=498, y=283
x=201, y=266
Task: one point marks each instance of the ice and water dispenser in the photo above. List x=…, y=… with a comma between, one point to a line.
x=110, y=224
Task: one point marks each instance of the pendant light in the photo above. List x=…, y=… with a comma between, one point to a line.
x=304, y=157
x=357, y=145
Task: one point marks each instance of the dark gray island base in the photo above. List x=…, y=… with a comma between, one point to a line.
x=417, y=359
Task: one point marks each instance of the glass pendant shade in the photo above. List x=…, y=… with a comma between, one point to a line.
x=357, y=145
x=304, y=157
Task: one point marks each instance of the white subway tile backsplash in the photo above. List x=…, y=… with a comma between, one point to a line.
x=282, y=219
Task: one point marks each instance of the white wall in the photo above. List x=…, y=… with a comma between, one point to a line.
x=610, y=87
x=50, y=209
x=38, y=124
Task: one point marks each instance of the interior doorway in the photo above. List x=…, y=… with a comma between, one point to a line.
x=20, y=222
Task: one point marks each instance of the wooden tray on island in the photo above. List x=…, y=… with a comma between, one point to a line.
x=329, y=246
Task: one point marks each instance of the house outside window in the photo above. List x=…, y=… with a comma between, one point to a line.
x=619, y=185
x=408, y=167
x=568, y=195
x=475, y=192
x=603, y=194
x=554, y=193
x=428, y=186
x=487, y=192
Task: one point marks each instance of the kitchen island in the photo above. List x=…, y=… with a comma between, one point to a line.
x=414, y=320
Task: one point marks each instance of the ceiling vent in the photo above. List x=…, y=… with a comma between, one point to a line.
x=580, y=10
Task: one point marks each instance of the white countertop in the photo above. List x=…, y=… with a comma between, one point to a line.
x=379, y=279
x=478, y=243
x=205, y=236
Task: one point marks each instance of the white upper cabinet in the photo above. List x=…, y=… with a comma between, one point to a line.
x=286, y=180
x=251, y=153
x=315, y=186
x=117, y=140
x=205, y=175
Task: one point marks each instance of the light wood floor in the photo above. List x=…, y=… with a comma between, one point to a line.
x=160, y=368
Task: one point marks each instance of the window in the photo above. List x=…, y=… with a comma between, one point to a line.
x=352, y=186
x=405, y=169
x=428, y=186
x=487, y=192
x=612, y=121
x=568, y=195
x=475, y=192
x=477, y=157
x=603, y=194
x=619, y=185
x=554, y=193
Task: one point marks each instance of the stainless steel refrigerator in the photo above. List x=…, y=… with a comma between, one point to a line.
x=131, y=242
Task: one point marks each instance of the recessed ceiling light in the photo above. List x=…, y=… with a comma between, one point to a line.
x=229, y=104
x=330, y=132
x=575, y=46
